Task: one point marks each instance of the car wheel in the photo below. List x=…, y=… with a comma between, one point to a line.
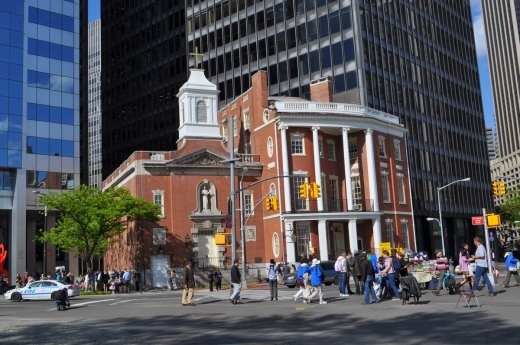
x=16, y=297
x=336, y=280
x=328, y=284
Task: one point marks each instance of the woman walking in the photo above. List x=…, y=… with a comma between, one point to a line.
x=512, y=269
x=272, y=274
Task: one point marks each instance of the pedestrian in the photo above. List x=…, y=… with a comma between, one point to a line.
x=272, y=270
x=211, y=277
x=441, y=266
x=512, y=269
x=174, y=280
x=350, y=263
x=106, y=277
x=2, y=284
x=302, y=277
x=390, y=274
x=367, y=278
x=99, y=281
x=25, y=278
x=169, y=274
x=236, y=282
x=317, y=277
x=464, y=268
x=126, y=280
x=341, y=268
x=87, y=281
x=293, y=269
x=356, y=273
x=188, y=281
x=286, y=270
x=482, y=267
x=137, y=279
x=218, y=279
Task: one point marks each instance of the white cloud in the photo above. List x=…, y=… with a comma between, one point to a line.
x=478, y=28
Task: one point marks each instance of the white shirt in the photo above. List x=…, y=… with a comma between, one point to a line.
x=481, y=251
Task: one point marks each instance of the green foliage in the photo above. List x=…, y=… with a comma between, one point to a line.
x=510, y=209
x=90, y=220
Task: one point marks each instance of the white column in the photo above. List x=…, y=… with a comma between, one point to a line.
x=352, y=235
x=285, y=166
x=290, y=235
x=371, y=162
x=376, y=229
x=18, y=229
x=317, y=165
x=348, y=178
x=322, y=234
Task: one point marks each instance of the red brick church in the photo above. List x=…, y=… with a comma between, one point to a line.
x=315, y=140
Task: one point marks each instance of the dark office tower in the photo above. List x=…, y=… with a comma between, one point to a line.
x=414, y=59
x=83, y=92
x=144, y=64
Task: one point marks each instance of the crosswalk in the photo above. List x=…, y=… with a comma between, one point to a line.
x=261, y=295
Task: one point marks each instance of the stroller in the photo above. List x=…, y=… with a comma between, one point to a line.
x=410, y=288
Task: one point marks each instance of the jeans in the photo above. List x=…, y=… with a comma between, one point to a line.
x=342, y=283
x=317, y=290
x=390, y=283
x=273, y=288
x=441, y=280
x=369, y=290
x=359, y=289
x=481, y=272
x=236, y=292
x=514, y=274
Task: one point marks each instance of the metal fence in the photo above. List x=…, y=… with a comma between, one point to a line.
x=211, y=262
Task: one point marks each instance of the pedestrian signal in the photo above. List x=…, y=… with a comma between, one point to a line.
x=315, y=190
x=275, y=203
x=268, y=204
x=495, y=188
x=502, y=190
x=304, y=188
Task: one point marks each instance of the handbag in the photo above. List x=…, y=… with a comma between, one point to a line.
x=299, y=282
x=512, y=269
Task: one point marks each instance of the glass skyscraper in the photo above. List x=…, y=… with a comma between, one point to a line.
x=94, y=104
x=414, y=59
x=39, y=121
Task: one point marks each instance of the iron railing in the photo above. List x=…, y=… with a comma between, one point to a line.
x=333, y=205
x=222, y=262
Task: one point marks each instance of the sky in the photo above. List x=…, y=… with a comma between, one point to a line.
x=480, y=40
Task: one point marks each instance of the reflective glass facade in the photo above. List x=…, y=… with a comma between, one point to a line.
x=94, y=104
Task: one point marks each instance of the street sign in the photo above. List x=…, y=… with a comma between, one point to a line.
x=228, y=221
x=49, y=253
x=477, y=220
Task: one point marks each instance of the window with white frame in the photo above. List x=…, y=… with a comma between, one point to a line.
x=235, y=126
x=356, y=193
x=320, y=146
x=246, y=119
x=276, y=245
x=382, y=150
x=297, y=147
x=334, y=199
x=390, y=232
x=303, y=238
x=404, y=233
x=385, y=187
x=266, y=115
x=352, y=148
x=248, y=203
x=270, y=147
x=331, y=150
x=300, y=204
x=400, y=188
x=397, y=149
x=158, y=199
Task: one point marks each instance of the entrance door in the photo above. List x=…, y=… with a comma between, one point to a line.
x=339, y=239
x=159, y=274
x=208, y=255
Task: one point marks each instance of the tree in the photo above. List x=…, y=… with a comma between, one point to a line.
x=90, y=220
x=509, y=213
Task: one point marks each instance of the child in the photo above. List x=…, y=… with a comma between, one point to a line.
x=112, y=286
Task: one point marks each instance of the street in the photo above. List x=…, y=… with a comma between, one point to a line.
x=158, y=318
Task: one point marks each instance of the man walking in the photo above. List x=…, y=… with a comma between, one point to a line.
x=367, y=278
x=482, y=267
x=236, y=282
x=341, y=267
x=390, y=282
x=126, y=280
x=441, y=266
x=188, y=281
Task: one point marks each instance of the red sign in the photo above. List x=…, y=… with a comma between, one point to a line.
x=477, y=220
x=228, y=221
x=49, y=253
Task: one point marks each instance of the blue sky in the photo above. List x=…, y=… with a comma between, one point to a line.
x=480, y=39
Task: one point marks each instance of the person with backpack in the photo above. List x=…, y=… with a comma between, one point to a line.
x=272, y=274
x=512, y=269
x=441, y=266
x=302, y=278
x=61, y=299
x=341, y=267
x=389, y=272
x=367, y=278
x=317, y=278
x=356, y=273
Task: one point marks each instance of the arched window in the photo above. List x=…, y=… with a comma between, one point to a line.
x=276, y=245
x=202, y=112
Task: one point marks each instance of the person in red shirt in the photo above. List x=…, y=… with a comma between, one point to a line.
x=441, y=266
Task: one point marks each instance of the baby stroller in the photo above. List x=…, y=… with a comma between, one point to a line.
x=449, y=283
x=410, y=288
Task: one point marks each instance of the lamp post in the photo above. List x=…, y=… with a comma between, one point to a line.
x=242, y=230
x=44, y=258
x=440, y=209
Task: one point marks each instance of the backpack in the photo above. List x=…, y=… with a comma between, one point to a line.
x=59, y=295
x=450, y=283
x=337, y=265
x=396, y=264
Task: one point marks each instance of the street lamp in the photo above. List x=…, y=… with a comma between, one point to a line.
x=440, y=209
x=44, y=258
x=242, y=230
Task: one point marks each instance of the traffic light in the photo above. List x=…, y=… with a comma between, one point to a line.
x=502, y=188
x=495, y=188
x=275, y=203
x=304, y=188
x=268, y=203
x=315, y=190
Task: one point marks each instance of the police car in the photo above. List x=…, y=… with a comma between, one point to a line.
x=41, y=289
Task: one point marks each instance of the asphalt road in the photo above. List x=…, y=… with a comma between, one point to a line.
x=159, y=318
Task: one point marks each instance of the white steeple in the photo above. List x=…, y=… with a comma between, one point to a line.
x=198, y=108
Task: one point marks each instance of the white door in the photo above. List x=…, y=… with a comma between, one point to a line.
x=339, y=239
x=159, y=271
x=207, y=247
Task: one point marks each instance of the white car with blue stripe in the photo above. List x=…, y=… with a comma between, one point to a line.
x=41, y=289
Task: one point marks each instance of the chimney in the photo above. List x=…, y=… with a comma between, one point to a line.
x=321, y=90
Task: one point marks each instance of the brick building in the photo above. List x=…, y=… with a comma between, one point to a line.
x=274, y=136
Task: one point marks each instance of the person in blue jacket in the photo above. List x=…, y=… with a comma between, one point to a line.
x=512, y=269
x=304, y=272
x=317, y=278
